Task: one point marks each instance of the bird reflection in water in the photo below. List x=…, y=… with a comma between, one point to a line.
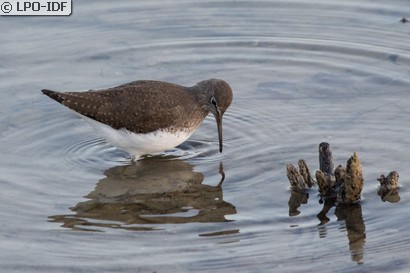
x=350, y=215
x=155, y=190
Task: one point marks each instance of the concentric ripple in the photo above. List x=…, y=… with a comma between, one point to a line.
x=302, y=72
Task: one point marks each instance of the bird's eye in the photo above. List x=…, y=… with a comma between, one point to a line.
x=213, y=101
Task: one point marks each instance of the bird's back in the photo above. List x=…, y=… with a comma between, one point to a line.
x=140, y=107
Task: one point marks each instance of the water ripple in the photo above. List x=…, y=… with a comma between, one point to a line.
x=302, y=72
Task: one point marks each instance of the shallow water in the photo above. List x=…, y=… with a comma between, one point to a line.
x=302, y=72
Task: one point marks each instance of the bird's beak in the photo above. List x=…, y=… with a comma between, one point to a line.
x=218, y=118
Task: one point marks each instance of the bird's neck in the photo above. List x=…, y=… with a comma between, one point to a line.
x=200, y=97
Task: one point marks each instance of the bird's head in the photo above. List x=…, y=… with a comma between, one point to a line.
x=218, y=97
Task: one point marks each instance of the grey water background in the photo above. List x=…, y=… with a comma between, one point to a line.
x=302, y=72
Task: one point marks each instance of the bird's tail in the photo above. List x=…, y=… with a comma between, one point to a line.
x=53, y=94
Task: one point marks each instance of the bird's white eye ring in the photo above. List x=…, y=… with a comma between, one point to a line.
x=213, y=101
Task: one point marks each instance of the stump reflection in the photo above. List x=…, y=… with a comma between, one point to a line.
x=349, y=215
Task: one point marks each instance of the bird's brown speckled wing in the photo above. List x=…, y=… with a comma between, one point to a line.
x=140, y=106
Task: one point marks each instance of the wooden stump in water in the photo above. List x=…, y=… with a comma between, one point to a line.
x=340, y=174
x=389, y=185
x=325, y=176
x=325, y=182
x=299, y=180
x=391, y=182
x=345, y=184
x=351, y=188
x=305, y=173
x=325, y=158
x=296, y=180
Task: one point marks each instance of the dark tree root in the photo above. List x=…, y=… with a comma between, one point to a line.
x=343, y=183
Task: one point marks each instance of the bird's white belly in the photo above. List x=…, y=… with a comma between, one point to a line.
x=139, y=144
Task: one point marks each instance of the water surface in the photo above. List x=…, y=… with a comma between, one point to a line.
x=302, y=72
